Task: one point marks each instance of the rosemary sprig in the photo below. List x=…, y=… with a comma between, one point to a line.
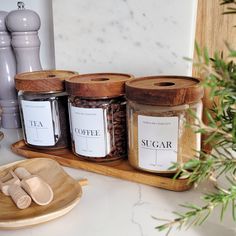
x=220, y=77
x=195, y=215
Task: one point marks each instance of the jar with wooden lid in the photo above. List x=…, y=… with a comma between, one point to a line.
x=97, y=109
x=159, y=121
x=43, y=108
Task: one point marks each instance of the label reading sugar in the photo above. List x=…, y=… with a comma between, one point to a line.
x=38, y=123
x=88, y=131
x=157, y=142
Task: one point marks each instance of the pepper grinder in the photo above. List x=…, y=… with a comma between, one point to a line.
x=24, y=25
x=8, y=96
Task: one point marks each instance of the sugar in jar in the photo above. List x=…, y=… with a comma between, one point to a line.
x=97, y=109
x=159, y=121
x=43, y=108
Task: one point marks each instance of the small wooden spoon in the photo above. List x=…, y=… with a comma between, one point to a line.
x=40, y=192
x=10, y=186
x=7, y=181
x=19, y=196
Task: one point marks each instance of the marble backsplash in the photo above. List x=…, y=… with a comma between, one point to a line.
x=142, y=37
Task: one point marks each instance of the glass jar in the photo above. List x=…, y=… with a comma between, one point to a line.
x=43, y=108
x=97, y=109
x=159, y=121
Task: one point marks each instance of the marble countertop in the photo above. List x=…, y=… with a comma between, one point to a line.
x=116, y=207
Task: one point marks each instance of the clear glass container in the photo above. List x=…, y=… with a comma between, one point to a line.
x=45, y=119
x=98, y=128
x=44, y=108
x=97, y=109
x=157, y=152
x=160, y=125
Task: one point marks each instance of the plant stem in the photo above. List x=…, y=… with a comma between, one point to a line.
x=197, y=215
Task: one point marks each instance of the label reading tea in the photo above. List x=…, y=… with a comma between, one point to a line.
x=88, y=131
x=38, y=123
x=157, y=142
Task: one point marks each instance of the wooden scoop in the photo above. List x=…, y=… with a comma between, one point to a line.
x=36, y=187
x=10, y=186
x=8, y=180
x=19, y=196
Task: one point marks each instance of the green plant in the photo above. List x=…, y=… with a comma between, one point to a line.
x=219, y=75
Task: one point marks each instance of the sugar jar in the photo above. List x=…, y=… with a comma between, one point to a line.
x=159, y=120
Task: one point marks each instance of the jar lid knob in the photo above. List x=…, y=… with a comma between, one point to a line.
x=20, y=5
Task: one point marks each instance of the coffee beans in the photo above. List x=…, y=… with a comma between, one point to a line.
x=117, y=127
x=114, y=120
x=98, y=115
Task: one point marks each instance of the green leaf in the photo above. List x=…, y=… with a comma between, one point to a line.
x=223, y=209
x=205, y=217
x=234, y=128
x=233, y=209
x=206, y=56
x=232, y=54
x=191, y=206
x=210, y=119
x=191, y=164
x=220, y=79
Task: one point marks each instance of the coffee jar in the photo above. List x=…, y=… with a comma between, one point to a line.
x=43, y=108
x=160, y=119
x=97, y=109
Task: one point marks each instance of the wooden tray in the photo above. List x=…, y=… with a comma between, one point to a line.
x=67, y=193
x=120, y=169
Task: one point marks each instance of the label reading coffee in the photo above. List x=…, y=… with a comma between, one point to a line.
x=38, y=123
x=88, y=131
x=157, y=142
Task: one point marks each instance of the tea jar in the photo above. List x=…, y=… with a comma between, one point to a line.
x=159, y=121
x=97, y=109
x=43, y=108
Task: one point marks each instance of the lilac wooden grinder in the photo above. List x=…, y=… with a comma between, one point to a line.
x=24, y=25
x=8, y=96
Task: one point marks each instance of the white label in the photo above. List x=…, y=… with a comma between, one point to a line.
x=157, y=142
x=88, y=131
x=38, y=123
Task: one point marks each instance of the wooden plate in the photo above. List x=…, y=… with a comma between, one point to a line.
x=67, y=193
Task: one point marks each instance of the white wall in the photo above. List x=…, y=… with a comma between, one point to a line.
x=44, y=9
x=143, y=37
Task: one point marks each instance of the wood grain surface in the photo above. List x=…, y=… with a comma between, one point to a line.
x=213, y=30
x=67, y=193
x=97, y=85
x=42, y=81
x=120, y=169
x=164, y=90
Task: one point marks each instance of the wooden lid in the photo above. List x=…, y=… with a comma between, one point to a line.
x=97, y=85
x=164, y=90
x=43, y=81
